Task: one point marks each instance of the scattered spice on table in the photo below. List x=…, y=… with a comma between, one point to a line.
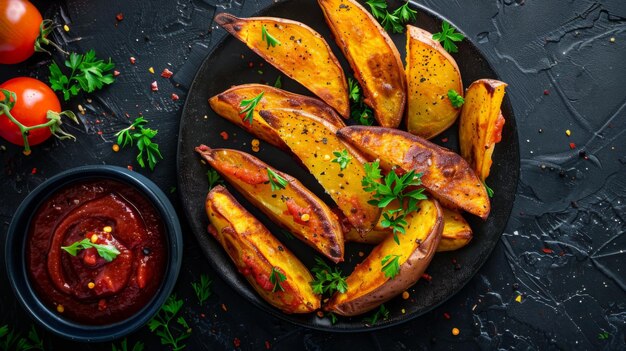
x=547, y=250
x=154, y=86
x=427, y=277
x=166, y=73
x=151, y=70
x=116, y=73
x=119, y=17
x=237, y=342
x=456, y=331
x=546, y=92
x=132, y=60
x=518, y=298
x=446, y=315
x=572, y=146
x=224, y=135
x=568, y=132
x=175, y=97
x=33, y=171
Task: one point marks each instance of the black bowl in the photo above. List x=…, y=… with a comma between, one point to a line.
x=16, y=258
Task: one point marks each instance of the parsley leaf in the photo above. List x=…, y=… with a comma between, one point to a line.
x=489, y=190
x=12, y=340
x=342, y=157
x=392, y=21
x=332, y=317
x=603, y=336
x=327, y=280
x=108, y=252
x=124, y=346
x=354, y=90
x=378, y=7
x=448, y=36
x=213, y=178
x=381, y=314
x=248, y=107
x=88, y=74
x=456, y=99
x=405, y=13
x=160, y=324
x=276, y=277
x=138, y=134
x=267, y=37
x=278, y=83
x=359, y=112
x=276, y=181
x=390, y=266
x=202, y=289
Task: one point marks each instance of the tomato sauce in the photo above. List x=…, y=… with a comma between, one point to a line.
x=86, y=288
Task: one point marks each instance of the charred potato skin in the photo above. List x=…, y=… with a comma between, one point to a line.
x=380, y=73
x=255, y=251
x=369, y=277
x=248, y=175
x=446, y=175
x=431, y=72
x=313, y=141
x=228, y=105
x=302, y=55
x=481, y=123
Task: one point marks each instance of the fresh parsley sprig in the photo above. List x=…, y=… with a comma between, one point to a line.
x=489, y=190
x=214, y=178
x=277, y=277
x=248, y=107
x=390, y=265
x=108, y=252
x=138, y=134
x=327, y=280
x=448, y=36
x=12, y=340
x=343, y=158
x=276, y=181
x=381, y=314
x=455, y=98
x=202, y=289
x=160, y=324
x=88, y=74
x=392, y=21
x=138, y=346
x=268, y=38
x=359, y=112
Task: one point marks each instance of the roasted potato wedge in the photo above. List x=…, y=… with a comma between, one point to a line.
x=373, y=57
x=256, y=253
x=431, y=72
x=446, y=175
x=368, y=286
x=300, y=53
x=319, y=228
x=228, y=105
x=481, y=124
x=456, y=233
x=314, y=141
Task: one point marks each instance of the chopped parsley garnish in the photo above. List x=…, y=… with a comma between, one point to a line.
x=88, y=74
x=138, y=134
x=108, y=252
x=392, y=21
x=381, y=314
x=202, y=289
x=276, y=277
x=268, y=38
x=448, y=36
x=390, y=265
x=160, y=324
x=342, y=157
x=248, y=107
x=456, y=99
x=276, y=181
x=327, y=280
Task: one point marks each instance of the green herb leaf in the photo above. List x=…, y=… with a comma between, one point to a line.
x=332, y=317
x=490, y=192
x=278, y=83
x=390, y=266
x=327, y=280
x=378, y=8
x=276, y=181
x=405, y=13
x=248, y=107
x=603, y=336
x=276, y=277
x=448, y=36
x=160, y=324
x=138, y=134
x=381, y=314
x=342, y=157
x=391, y=23
x=354, y=90
x=124, y=346
x=88, y=74
x=12, y=340
x=359, y=112
x=202, y=289
x=213, y=178
x=267, y=37
x=108, y=252
x=456, y=99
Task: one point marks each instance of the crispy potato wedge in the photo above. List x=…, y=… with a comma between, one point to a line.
x=481, y=124
x=368, y=287
x=256, y=252
x=373, y=57
x=446, y=175
x=314, y=141
x=301, y=54
x=456, y=233
x=320, y=229
x=431, y=72
x=228, y=105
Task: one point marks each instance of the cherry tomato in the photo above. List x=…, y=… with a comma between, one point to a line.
x=34, y=100
x=19, y=28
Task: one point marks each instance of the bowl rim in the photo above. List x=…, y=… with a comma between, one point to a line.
x=15, y=260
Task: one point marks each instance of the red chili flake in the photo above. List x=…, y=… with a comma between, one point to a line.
x=446, y=315
x=546, y=250
x=546, y=92
x=97, y=121
x=130, y=168
x=34, y=171
x=237, y=342
x=250, y=64
x=224, y=135
x=224, y=308
x=132, y=60
x=175, y=97
x=572, y=146
x=99, y=132
x=166, y=73
x=454, y=261
x=116, y=73
x=444, y=140
x=119, y=17
x=267, y=345
x=154, y=86
x=260, y=64
x=202, y=315
x=427, y=277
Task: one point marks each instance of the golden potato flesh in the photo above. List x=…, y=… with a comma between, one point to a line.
x=431, y=72
x=298, y=51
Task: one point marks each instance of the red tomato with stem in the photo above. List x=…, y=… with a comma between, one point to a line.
x=19, y=28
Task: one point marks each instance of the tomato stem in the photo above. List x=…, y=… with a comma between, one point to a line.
x=45, y=28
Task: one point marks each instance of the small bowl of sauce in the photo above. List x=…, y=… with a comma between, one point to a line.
x=94, y=252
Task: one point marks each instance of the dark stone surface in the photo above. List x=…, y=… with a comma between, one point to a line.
x=563, y=248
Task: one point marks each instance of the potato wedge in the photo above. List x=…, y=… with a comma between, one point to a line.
x=314, y=141
x=320, y=228
x=256, y=252
x=446, y=175
x=431, y=72
x=301, y=54
x=481, y=124
x=373, y=57
x=228, y=105
x=456, y=233
x=368, y=286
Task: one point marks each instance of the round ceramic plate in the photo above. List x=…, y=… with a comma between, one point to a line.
x=232, y=63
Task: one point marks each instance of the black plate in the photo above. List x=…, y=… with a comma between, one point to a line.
x=228, y=65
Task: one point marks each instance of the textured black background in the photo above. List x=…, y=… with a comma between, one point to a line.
x=564, y=73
